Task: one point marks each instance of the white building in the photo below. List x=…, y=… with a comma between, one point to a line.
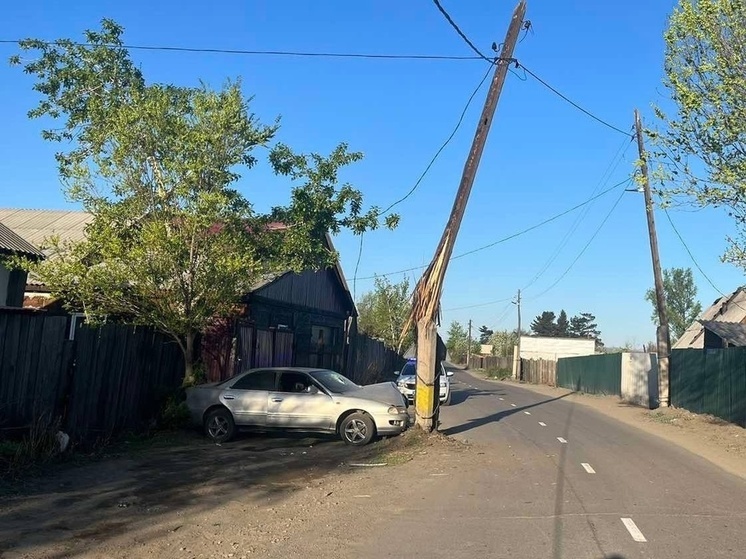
x=536, y=347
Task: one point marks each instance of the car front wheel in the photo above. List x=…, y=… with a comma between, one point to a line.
x=219, y=425
x=357, y=429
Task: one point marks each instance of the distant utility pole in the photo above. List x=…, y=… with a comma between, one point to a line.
x=517, y=349
x=664, y=340
x=468, y=347
x=426, y=303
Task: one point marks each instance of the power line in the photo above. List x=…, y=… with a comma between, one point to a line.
x=304, y=54
x=442, y=147
x=357, y=265
x=509, y=237
x=596, y=232
x=689, y=252
x=479, y=304
x=458, y=30
x=573, y=103
x=549, y=220
x=608, y=172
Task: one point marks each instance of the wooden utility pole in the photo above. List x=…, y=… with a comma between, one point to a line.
x=426, y=304
x=664, y=340
x=517, y=348
x=468, y=346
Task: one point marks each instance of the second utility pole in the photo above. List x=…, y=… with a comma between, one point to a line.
x=663, y=336
x=517, y=348
x=468, y=347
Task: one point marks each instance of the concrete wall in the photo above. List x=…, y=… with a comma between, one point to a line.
x=640, y=379
x=555, y=348
x=4, y=278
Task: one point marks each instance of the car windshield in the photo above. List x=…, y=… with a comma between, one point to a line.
x=408, y=370
x=334, y=382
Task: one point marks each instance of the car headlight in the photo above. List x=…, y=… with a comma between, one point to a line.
x=401, y=384
x=396, y=410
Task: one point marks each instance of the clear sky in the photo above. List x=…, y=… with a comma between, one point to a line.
x=542, y=157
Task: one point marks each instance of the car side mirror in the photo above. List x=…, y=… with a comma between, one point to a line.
x=449, y=373
x=313, y=390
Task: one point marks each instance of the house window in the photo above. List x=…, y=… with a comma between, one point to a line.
x=325, y=347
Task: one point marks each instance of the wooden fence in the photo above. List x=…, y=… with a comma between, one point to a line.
x=539, y=371
x=490, y=362
x=109, y=379
x=369, y=360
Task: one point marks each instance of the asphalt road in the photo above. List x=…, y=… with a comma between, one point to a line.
x=563, y=481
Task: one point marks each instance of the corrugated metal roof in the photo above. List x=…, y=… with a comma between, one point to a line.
x=12, y=242
x=732, y=332
x=37, y=225
x=730, y=308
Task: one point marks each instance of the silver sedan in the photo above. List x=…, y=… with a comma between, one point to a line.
x=316, y=400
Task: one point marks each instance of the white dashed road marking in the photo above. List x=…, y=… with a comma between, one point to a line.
x=503, y=399
x=527, y=412
x=588, y=468
x=513, y=405
x=633, y=530
x=560, y=439
x=542, y=424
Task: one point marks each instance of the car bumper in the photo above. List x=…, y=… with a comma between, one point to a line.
x=389, y=424
x=409, y=394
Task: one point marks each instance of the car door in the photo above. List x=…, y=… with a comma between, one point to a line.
x=300, y=403
x=248, y=396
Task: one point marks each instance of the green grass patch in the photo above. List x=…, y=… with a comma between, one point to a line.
x=498, y=374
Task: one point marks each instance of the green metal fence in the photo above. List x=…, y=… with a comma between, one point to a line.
x=592, y=374
x=710, y=381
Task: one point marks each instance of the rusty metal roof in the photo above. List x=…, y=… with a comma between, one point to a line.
x=37, y=225
x=14, y=243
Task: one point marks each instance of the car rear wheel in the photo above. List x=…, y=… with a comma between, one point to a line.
x=219, y=425
x=357, y=429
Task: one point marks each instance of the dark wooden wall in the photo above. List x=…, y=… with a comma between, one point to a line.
x=321, y=291
x=108, y=380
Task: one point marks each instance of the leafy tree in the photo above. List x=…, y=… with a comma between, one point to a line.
x=563, y=325
x=384, y=312
x=544, y=324
x=172, y=244
x=484, y=335
x=503, y=342
x=458, y=341
x=703, y=140
x=681, y=303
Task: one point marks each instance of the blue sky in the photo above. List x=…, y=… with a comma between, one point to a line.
x=542, y=157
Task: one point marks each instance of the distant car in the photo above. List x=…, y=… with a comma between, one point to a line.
x=406, y=382
x=316, y=400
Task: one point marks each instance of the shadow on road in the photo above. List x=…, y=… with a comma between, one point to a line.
x=474, y=423
x=145, y=488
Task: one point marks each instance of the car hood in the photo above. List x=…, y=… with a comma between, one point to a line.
x=384, y=392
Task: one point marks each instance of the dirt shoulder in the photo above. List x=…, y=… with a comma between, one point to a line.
x=720, y=442
x=256, y=496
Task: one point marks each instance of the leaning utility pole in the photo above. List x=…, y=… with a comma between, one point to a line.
x=468, y=346
x=517, y=348
x=426, y=301
x=663, y=336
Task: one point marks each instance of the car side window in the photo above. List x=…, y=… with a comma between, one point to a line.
x=294, y=382
x=259, y=380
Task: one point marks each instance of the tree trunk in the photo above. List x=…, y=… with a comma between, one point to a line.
x=188, y=348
